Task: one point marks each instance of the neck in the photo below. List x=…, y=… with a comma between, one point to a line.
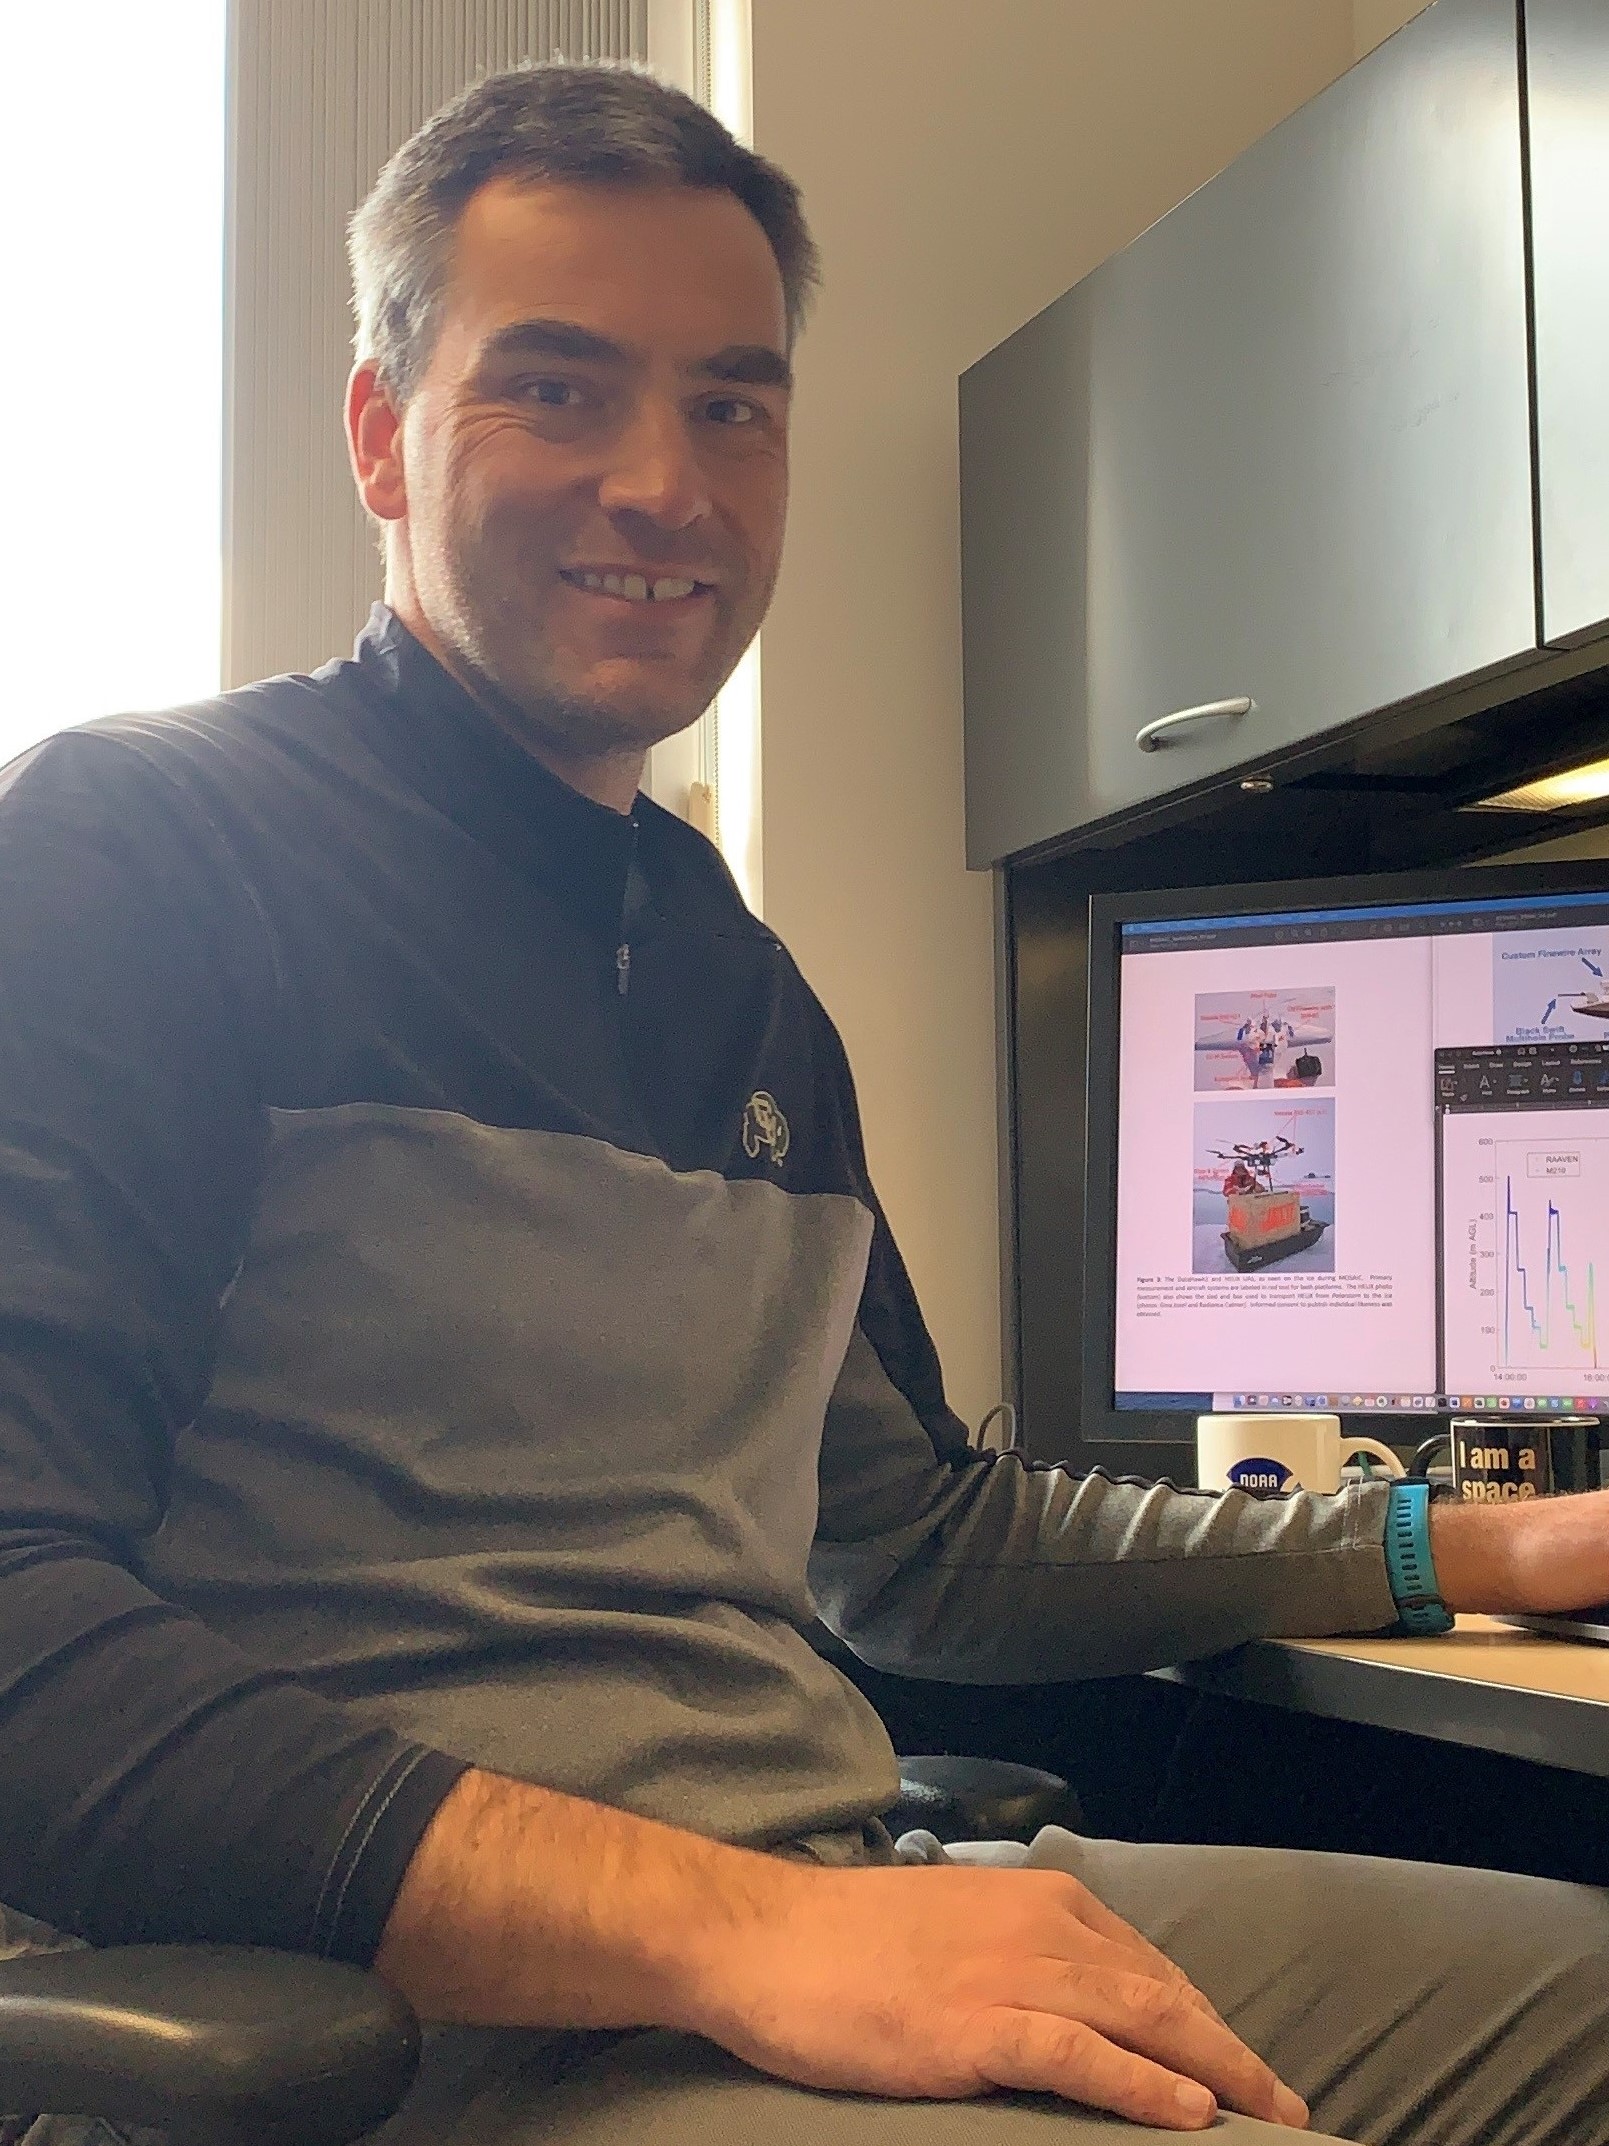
x=607, y=778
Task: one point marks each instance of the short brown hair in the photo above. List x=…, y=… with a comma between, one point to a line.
x=592, y=125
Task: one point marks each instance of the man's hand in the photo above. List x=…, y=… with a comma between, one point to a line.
x=526, y=1908
x=943, y=1983
x=1531, y=1554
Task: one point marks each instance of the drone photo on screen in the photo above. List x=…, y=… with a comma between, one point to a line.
x=1264, y=1187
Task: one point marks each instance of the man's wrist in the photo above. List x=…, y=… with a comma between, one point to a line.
x=1515, y=1556
x=525, y=1907
x=1422, y=1610
x=1474, y=1551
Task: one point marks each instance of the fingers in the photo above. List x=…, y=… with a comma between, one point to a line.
x=1157, y=2020
x=1032, y=2053
x=1143, y=2053
x=1135, y=1996
x=1095, y=1915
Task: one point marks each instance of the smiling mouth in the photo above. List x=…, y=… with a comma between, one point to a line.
x=634, y=588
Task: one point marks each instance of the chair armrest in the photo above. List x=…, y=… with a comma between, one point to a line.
x=973, y=1799
x=209, y=2041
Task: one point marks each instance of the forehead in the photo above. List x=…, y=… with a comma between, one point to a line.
x=677, y=269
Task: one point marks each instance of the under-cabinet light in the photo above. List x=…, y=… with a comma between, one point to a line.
x=1583, y=785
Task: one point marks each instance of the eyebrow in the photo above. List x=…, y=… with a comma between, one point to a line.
x=740, y=364
x=749, y=365
x=553, y=339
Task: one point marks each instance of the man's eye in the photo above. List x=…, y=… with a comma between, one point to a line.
x=551, y=394
x=730, y=410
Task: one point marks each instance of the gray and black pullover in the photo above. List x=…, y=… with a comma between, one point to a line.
x=445, y=1319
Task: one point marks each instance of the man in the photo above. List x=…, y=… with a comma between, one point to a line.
x=451, y=1345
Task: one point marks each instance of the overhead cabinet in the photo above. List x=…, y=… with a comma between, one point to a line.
x=1269, y=470
x=1567, y=71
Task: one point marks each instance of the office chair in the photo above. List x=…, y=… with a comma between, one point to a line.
x=964, y=1799
x=229, y=2046
x=217, y=2045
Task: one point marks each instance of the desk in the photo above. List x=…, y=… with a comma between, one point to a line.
x=1483, y=1684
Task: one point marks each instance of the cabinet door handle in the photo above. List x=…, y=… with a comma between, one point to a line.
x=1166, y=728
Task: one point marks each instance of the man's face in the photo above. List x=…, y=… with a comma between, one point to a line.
x=595, y=460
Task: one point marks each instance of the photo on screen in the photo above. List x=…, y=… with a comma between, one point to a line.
x=1550, y=986
x=1263, y=1192
x=1264, y=1039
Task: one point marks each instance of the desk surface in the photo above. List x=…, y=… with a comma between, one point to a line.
x=1483, y=1684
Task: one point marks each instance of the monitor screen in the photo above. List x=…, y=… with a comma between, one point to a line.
x=1354, y=1153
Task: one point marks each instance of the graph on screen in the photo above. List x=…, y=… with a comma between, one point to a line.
x=1547, y=1288
x=1525, y=1247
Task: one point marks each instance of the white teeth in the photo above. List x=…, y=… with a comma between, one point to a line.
x=636, y=588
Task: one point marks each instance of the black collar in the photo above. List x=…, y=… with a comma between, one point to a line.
x=438, y=739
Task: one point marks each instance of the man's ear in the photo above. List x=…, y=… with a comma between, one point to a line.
x=374, y=443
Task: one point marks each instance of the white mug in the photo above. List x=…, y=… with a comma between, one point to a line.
x=1269, y=1454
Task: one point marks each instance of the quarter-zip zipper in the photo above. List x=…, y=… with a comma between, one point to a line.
x=628, y=905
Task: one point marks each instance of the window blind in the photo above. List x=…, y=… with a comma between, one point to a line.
x=320, y=93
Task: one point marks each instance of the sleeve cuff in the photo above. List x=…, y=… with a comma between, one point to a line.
x=376, y=1849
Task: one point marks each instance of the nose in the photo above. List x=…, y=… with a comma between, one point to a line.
x=654, y=470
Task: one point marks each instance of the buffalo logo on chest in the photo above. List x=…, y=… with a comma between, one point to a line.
x=765, y=1129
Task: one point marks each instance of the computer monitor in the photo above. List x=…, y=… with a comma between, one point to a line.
x=1348, y=1149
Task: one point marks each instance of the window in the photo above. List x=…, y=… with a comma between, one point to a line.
x=321, y=92
x=711, y=773
x=111, y=367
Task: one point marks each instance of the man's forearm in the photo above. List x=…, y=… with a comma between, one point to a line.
x=1544, y=1554
x=161, y=1787
x=523, y=1907
x=527, y=1908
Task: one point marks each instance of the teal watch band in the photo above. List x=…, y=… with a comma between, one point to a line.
x=1420, y=1610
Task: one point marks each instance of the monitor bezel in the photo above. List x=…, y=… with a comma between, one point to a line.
x=1136, y=1433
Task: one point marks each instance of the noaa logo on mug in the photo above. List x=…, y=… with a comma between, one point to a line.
x=1262, y=1478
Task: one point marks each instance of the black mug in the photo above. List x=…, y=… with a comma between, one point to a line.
x=1493, y=1462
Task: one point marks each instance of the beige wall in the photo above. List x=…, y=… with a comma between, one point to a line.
x=1374, y=20
x=962, y=165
